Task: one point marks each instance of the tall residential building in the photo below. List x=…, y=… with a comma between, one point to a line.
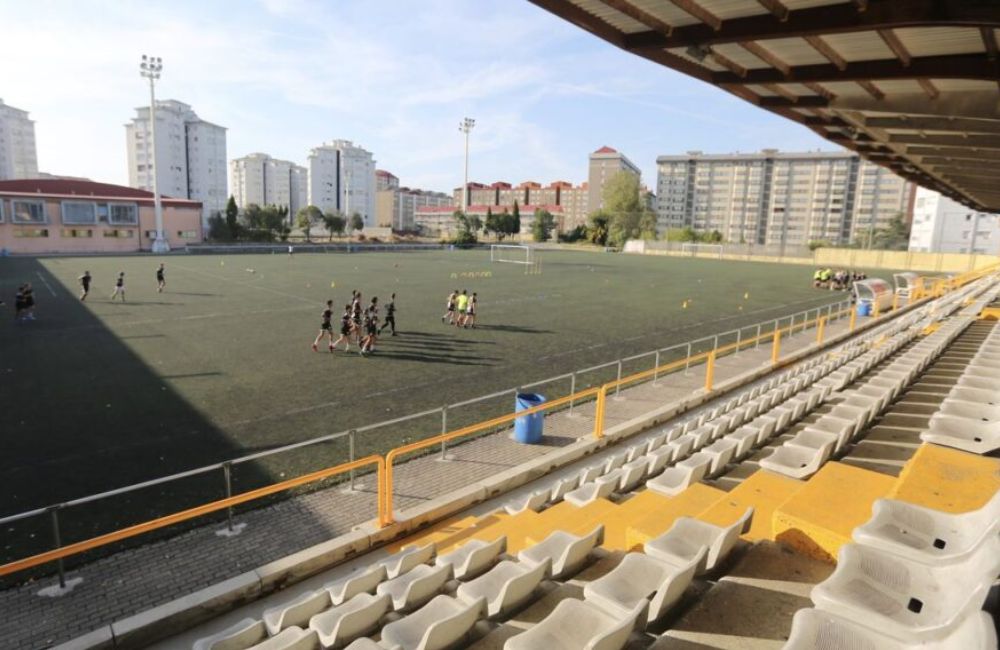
x=573, y=201
x=342, y=179
x=18, y=156
x=259, y=178
x=786, y=199
x=395, y=208
x=605, y=163
x=190, y=155
x=385, y=181
x=941, y=225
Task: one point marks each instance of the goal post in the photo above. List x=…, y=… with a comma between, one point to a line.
x=705, y=250
x=511, y=254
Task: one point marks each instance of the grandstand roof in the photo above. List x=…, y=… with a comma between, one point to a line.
x=78, y=188
x=909, y=84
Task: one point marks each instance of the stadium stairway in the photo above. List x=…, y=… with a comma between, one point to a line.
x=712, y=590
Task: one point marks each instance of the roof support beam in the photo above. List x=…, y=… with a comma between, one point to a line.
x=801, y=102
x=896, y=46
x=977, y=141
x=990, y=42
x=971, y=154
x=929, y=88
x=827, y=51
x=699, y=12
x=939, y=161
x=779, y=10
x=640, y=15
x=958, y=66
x=871, y=89
x=816, y=21
x=956, y=124
x=767, y=57
x=975, y=104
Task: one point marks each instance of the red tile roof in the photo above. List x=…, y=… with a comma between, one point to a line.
x=606, y=149
x=64, y=187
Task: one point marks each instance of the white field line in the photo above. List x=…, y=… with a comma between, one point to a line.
x=46, y=283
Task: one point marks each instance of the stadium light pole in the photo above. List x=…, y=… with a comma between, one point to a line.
x=150, y=68
x=465, y=126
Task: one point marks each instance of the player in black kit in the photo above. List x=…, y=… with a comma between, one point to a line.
x=390, y=315
x=325, y=327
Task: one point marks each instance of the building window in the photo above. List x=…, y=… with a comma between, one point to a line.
x=69, y=233
x=187, y=234
x=79, y=212
x=1, y=211
x=29, y=212
x=121, y=234
x=150, y=234
x=123, y=214
x=31, y=232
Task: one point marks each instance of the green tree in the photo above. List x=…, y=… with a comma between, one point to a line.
x=541, y=227
x=630, y=217
x=597, y=231
x=466, y=227
x=217, y=228
x=685, y=234
x=357, y=223
x=335, y=223
x=492, y=224
x=895, y=236
x=232, y=216
x=307, y=217
x=516, y=228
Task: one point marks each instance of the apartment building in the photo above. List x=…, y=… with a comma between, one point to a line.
x=941, y=225
x=572, y=201
x=342, y=179
x=440, y=220
x=18, y=154
x=786, y=199
x=190, y=155
x=395, y=208
x=259, y=179
x=385, y=181
x=604, y=164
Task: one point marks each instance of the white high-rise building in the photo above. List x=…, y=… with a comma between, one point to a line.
x=605, y=163
x=342, y=179
x=18, y=155
x=259, y=179
x=190, y=155
x=941, y=225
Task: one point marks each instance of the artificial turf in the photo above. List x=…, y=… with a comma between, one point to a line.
x=97, y=395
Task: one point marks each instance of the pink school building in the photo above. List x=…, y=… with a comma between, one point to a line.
x=52, y=215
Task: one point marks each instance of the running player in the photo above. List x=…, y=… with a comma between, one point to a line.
x=390, y=315
x=356, y=316
x=450, y=314
x=346, y=326
x=470, y=318
x=325, y=327
x=119, y=287
x=161, y=283
x=371, y=331
x=463, y=304
x=84, y=285
x=28, y=299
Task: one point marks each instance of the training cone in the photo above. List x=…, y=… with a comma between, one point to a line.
x=222, y=262
x=333, y=284
x=746, y=296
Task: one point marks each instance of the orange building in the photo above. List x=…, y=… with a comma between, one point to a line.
x=58, y=215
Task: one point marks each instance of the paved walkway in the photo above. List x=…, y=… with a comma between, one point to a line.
x=135, y=580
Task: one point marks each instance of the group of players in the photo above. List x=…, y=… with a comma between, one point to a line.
x=119, y=291
x=464, y=306
x=358, y=323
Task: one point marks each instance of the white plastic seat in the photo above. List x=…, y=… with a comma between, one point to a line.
x=720, y=452
x=698, y=438
x=655, y=442
x=566, y=552
x=842, y=429
x=639, y=577
x=364, y=580
x=929, y=536
x=291, y=638
x=340, y=625
x=745, y=438
x=590, y=492
x=989, y=398
x=814, y=439
x=658, y=459
x=634, y=452
x=674, y=433
x=364, y=643
x=781, y=416
x=296, y=612
x=868, y=406
x=676, y=479
x=765, y=426
x=681, y=447
x=689, y=426
x=962, y=433
x=981, y=410
x=991, y=384
x=576, y=625
x=413, y=589
x=853, y=414
x=237, y=636
x=533, y=502
x=408, y=558
x=561, y=487
x=688, y=538
x=438, y=625
x=473, y=557
x=814, y=629
x=505, y=587
x=614, y=463
x=909, y=601
x=794, y=462
x=632, y=474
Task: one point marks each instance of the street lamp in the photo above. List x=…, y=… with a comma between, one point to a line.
x=150, y=68
x=465, y=126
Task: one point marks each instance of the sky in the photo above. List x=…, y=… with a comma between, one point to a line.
x=394, y=76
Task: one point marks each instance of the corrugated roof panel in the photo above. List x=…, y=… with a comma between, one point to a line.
x=859, y=46
x=709, y=62
x=964, y=85
x=728, y=9
x=611, y=16
x=898, y=86
x=941, y=41
x=844, y=88
x=667, y=12
x=761, y=90
x=798, y=89
x=808, y=4
x=795, y=51
x=740, y=56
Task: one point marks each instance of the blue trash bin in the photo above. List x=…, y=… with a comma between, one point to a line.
x=864, y=308
x=528, y=429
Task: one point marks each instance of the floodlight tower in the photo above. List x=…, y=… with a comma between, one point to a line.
x=465, y=126
x=150, y=68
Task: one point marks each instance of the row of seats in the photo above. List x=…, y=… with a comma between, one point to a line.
x=913, y=578
x=969, y=417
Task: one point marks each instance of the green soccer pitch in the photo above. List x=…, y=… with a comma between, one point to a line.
x=97, y=395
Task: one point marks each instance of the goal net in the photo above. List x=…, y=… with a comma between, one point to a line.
x=511, y=254
x=707, y=250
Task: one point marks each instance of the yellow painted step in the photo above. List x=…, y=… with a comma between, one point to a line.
x=947, y=479
x=444, y=533
x=762, y=490
x=688, y=503
x=820, y=517
x=640, y=505
x=567, y=517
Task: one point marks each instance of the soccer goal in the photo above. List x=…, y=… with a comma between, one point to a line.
x=702, y=250
x=511, y=254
